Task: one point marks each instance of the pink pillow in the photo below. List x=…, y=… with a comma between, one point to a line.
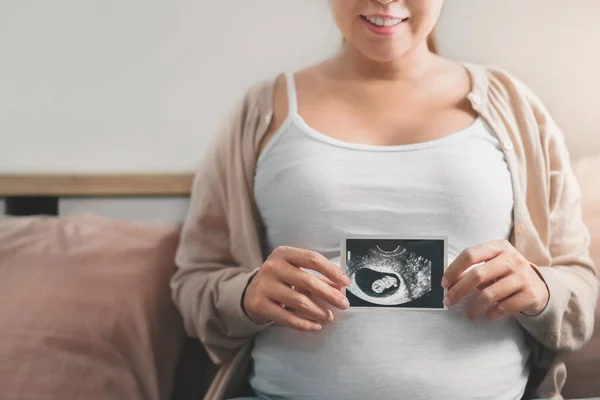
x=583, y=367
x=85, y=309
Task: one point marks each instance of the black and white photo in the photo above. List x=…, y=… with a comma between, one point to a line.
x=395, y=272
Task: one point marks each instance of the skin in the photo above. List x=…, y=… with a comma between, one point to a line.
x=385, y=90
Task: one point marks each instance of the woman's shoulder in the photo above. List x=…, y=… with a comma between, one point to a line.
x=249, y=117
x=261, y=93
x=503, y=87
x=508, y=95
x=255, y=106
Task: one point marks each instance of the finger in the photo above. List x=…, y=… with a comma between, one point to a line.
x=330, y=283
x=469, y=257
x=484, y=285
x=298, y=302
x=315, y=261
x=281, y=316
x=342, y=289
x=478, y=276
x=509, y=307
x=302, y=315
x=331, y=316
x=307, y=282
x=486, y=299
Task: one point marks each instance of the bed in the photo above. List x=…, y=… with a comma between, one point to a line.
x=40, y=194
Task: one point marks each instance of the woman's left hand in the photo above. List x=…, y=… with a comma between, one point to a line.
x=508, y=283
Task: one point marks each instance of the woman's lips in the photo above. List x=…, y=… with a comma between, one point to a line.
x=385, y=30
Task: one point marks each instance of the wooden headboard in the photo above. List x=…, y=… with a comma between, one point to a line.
x=60, y=185
x=28, y=194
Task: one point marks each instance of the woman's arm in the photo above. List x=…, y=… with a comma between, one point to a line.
x=567, y=322
x=211, y=277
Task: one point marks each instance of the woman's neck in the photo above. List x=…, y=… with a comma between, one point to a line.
x=412, y=65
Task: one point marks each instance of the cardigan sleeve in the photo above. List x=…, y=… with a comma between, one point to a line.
x=567, y=322
x=212, y=271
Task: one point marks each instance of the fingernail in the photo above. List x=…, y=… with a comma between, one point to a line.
x=345, y=304
x=318, y=327
x=447, y=301
x=331, y=316
x=445, y=282
x=345, y=279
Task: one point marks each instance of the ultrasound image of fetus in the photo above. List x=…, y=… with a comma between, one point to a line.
x=388, y=274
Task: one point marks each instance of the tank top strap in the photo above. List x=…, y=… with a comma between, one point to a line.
x=292, y=93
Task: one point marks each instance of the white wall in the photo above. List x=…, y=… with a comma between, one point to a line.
x=553, y=45
x=138, y=85
x=141, y=85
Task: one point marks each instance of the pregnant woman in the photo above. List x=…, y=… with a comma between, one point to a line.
x=387, y=138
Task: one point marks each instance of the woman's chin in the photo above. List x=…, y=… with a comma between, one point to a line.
x=385, y=54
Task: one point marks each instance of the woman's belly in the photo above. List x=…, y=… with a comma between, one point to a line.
x=394, y=354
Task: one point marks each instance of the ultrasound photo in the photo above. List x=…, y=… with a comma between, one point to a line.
x=392, y=272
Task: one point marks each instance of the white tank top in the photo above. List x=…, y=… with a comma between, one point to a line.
x=312, y=190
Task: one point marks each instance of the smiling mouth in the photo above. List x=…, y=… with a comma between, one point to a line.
x=383, y=22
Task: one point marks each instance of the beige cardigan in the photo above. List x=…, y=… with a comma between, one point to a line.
x=221, y=239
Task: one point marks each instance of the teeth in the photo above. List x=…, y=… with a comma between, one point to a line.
x=384, y=22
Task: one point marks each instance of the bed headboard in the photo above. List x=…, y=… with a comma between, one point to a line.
x=30, y=194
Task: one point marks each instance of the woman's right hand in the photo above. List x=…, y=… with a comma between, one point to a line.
x=284, y=293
